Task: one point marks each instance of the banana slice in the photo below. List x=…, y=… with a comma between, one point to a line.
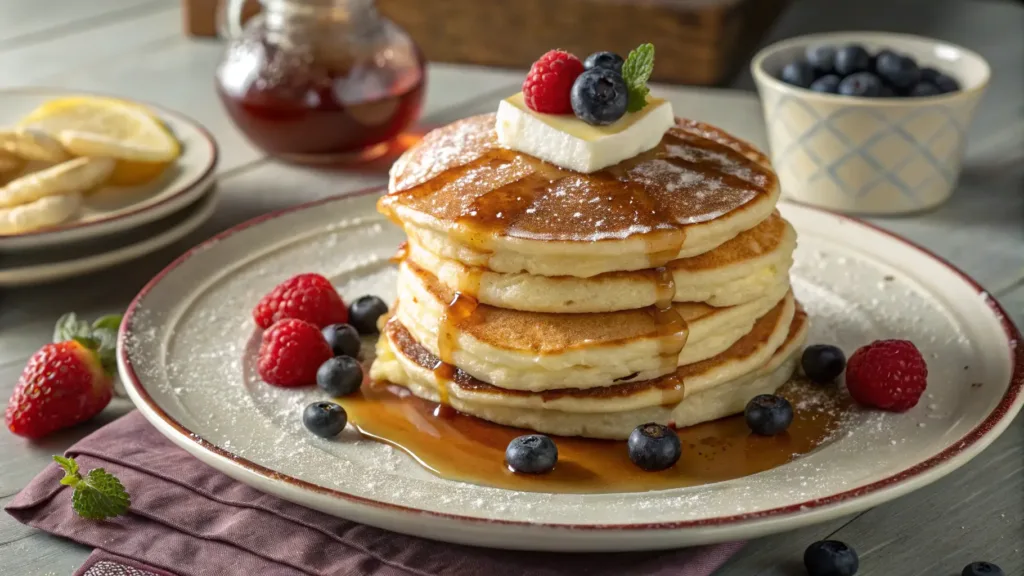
x=74, y=176
x=9, y=162
x=41, y=213
x=33, y=144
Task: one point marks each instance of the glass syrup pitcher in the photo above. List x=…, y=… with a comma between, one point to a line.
x=319, y=81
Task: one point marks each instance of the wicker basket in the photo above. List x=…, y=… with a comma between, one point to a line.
x=697, y=41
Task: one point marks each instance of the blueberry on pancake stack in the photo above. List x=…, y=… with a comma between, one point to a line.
x=580, y=279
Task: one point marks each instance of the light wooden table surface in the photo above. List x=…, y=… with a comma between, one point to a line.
x=135, y=48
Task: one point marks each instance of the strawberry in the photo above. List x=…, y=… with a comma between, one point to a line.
x=66, y=382
x=291, y=352
x=309, y=297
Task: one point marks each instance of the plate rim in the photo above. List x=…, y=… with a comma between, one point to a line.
x=181, y=198
x=998, y=417
x=96, y=262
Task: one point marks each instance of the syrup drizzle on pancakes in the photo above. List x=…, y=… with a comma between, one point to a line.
x=460, y=174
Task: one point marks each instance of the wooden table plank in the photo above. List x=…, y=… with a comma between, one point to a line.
x=22, y=22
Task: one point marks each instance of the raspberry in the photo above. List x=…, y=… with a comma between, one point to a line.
x=887, y=374
x=546, y=88
x=309, y=297
x=291, y=352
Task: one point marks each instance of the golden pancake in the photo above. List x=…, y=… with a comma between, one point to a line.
x=401, y=361
x=538, y=351
x=461, y=196
x=738, y=271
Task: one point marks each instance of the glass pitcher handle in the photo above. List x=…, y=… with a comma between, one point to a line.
x=229, y=18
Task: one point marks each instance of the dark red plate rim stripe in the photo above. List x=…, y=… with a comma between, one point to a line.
x=1013, y=337
x=161, y=111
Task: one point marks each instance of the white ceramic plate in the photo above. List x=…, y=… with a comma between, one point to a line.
x=36, y=267
x=111, y=210
x=187, y=348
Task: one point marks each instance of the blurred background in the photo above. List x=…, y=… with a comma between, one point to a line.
x=699, y=42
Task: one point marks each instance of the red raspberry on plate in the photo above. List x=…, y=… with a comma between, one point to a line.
x=291, y=352
x=546, y=88
x=309, y=297
x=887, y=374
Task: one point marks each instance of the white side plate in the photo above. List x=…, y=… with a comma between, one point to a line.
x=37, y=267
x=111, y=209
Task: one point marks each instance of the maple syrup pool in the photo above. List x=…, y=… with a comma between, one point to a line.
x=459, y=447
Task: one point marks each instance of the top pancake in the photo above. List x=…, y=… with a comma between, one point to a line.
x=463, y=197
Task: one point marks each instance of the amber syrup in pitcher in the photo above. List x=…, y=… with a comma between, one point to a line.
x=322, y=81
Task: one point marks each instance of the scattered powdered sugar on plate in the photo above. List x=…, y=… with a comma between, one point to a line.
x=192, y=344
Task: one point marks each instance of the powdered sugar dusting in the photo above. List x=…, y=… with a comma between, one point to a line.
x=459, y=175
x=192, y=344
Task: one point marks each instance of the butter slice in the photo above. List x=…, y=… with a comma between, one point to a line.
x=571, y=143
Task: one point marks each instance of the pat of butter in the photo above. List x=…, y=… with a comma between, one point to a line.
x=571, y=143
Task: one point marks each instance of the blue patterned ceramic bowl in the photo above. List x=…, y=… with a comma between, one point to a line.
x=869, y=155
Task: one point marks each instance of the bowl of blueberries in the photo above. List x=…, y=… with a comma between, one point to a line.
x=868, y=122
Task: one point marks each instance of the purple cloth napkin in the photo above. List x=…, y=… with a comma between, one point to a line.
x=187, y=519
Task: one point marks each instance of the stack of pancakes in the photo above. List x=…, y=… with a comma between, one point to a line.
x=655, y=290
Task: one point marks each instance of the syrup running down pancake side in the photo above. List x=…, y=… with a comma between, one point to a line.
x=461, y=196
x=481, y=198
x=696, y=174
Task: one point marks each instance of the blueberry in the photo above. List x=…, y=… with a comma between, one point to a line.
x=828, y=84
x=531, y=454
x=364, y=313
x=599, y=96
x=609, y=60
x=822, y=58
x=654, y=447
x=887, y=92
x=861, y=84
x=823, y=363
x=768, y=414
x=325, y=419
x=901, y=72
x=945, y=83
x=798, y=74
x=830, y=558
x=924, y=89
x=885, y=52
x=343, y=339
x=982, y=569
x=851, y=59
x=340, y=376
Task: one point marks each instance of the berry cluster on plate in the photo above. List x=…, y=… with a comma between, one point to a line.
x=599, y=90
x=311, y=336
x=853, y=71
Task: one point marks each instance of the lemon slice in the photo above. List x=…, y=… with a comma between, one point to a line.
x=106, y=127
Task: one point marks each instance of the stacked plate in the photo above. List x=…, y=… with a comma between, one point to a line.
x=113, y=224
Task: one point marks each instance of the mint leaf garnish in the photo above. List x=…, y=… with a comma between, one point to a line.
x=636, y=71
x=108, y=322
x=98, y=495
x=70, y=327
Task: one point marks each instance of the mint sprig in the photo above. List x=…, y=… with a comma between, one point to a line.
x=98, y=495
x=636, y=71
